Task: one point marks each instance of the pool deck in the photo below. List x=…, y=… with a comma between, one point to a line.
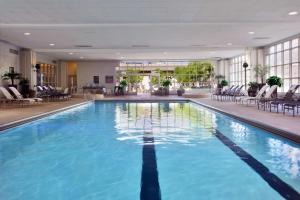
x=286, y=124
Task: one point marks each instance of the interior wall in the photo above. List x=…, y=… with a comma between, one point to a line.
x=8, y=59
x=87, y=69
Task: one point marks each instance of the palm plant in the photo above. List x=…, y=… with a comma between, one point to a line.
x=12, y=76
x=261, y=72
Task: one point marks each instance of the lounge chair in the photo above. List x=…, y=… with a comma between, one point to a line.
x=268, y=97
x=256, y=98
x=291, y=106
x=10, y=99
x=238, y=92
x=225, y=90
x=287, y=98
x=19, y=96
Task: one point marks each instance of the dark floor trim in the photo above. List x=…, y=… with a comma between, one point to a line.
x=36, y=117
x=284, y=189
x=276, y=131
x=150, y=189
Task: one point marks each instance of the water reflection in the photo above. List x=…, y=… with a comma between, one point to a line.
x=180, y=123
x=284, y=156
x=239, y=131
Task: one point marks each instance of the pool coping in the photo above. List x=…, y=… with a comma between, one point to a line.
x=39, y=116
x=276, y=131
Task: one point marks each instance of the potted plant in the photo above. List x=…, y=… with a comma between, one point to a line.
x=261, y=72
x=166, y=84
x=253, y=88
x=223, y=83
x=12, y=76
x=180, y=91
x=274, y=80
x=24, y=87
x=123, y=85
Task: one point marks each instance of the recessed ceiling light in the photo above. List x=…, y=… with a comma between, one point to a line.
x=51, y=44
x=229, y=44
x=27, y=33
x=251, y=32
x=81, y=57
x=71, y=53
x=293, y=13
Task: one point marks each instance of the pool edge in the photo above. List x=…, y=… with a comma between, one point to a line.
x=276, y=131
x=13, y=124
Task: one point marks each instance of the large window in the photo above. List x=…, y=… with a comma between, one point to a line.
x=283, y=60
x=237, y=76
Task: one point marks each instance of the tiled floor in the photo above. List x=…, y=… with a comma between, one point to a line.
x=8, y=115
x=277, y=120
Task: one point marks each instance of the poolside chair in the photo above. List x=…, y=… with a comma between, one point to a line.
x=287, y=98
x=256, y=98
x=262, y=102
x=231, y=92
x=238, y=92
x=225, y=90
x=19, y=96
x=291, y=106
x=11, y=99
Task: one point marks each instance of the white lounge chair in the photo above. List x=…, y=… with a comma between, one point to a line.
x=268, y=97
x=11, y=99
x=256, y=98
x=19, y=96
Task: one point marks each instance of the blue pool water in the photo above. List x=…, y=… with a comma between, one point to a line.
x=107, y=150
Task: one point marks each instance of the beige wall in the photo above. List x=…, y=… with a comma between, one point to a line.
x=8, y=59
x=86, y=71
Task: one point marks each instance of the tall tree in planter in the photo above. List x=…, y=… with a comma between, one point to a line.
x=261, y=72
x=12, y=76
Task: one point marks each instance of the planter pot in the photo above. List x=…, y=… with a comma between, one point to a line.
x=24, y=90
x=180, y=92
x=31, y=93
x=165, y=91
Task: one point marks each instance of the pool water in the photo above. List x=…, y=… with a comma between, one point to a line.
x=162, y=150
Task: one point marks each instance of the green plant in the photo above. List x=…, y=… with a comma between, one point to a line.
x=24, y=87
x=253, y=85
x=123, y=83
x=261, y=72
x=224, y=83
x=24, y=81
x=12, y=76
x=274, y=80
x=218, y=77
x=166, y=83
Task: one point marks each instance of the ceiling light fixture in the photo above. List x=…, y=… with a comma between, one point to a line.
x=251, y=32
x=51, y=44
x=27, y=33
x=81, y=57
x=293, y=13
x=165, y=53
x=71, y=53
x=229, y=44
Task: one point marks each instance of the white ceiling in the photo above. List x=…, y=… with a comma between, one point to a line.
x=168, y=29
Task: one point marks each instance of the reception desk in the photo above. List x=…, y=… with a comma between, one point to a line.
x=93, y=90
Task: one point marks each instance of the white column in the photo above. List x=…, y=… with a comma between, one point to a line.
x=27, y=65
x=63, y=73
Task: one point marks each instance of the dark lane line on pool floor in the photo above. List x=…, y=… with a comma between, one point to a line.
x=150, y=189
x=284, y=189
